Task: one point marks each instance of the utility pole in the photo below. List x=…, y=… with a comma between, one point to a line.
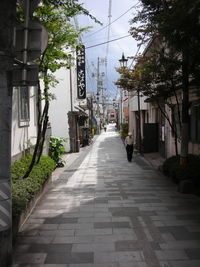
x=98, y=111
x=7, y=20
x=70, y=84
x=139, y=122
x=121, y=113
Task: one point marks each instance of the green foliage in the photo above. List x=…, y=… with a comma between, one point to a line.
x=62, y=36
x=23, y=190
x=170, y=166
x=124, y=129
x=180, y=172
x=56, y=150
x=177, y=22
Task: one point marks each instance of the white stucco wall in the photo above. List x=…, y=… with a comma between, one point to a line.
x=22, y=137
x=133, y=103
x=62, y=105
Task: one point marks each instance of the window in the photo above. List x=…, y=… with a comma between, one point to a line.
x=24, y=115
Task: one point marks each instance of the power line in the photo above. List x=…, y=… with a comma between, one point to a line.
x=112, y=21
x=108, y=41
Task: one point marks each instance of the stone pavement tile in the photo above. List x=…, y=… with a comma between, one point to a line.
x=93, y=247
x=85, y=232
x=101, y=225
x=35, y=221
x=73, y=239
x=128, y=245
x=67, y=226
x=40, y=265
x=49, y=248
x=133, y=264
x=114, y=238
x=193, y=228
x=121, y=219
x=125, y=256
x=180, y=245
x=187, y=263
x=193, y=254
x=165, y=264
x=180, y=232
x=60, y=220
x=30, y=258
x=62, y=258
x=111, y=264
x=171, y=255
x=127, y=231
x=35, y=239
x=168, y=237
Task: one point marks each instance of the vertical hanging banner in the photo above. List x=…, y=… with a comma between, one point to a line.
x=81, y=81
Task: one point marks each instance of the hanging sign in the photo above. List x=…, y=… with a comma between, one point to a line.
x=81, y=81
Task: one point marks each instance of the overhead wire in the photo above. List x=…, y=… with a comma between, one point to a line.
x=87, y=47
x=113, y=20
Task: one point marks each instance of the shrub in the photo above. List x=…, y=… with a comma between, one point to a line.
x=56, y=150
x=191, y=170
x=170, y=166
x=179, y=173
x=124, y=129
x=23, y=190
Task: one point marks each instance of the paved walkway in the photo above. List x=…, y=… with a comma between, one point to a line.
x=104, y=211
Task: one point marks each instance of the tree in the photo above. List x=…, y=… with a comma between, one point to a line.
x=157, y=76
x=177, y=23
x=62, y=37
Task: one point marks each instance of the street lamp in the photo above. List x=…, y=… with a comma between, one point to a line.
x=123, y=61
x=123, y=64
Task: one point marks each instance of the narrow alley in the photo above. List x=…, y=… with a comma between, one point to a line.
x=104, y=211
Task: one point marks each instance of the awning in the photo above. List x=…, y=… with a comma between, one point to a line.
x=81, y=110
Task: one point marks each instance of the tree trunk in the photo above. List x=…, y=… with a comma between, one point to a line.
x=185, y=108
x=7, y=20
x=39, y=129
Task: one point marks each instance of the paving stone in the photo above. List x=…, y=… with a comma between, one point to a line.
x=60, y=220
x=93, y=247
x=193, y=254
x=187, y=263
x=30, y=258
x=105, y=212
x=99, y=225
x=126, y=256
x=171, y=255
x=61, y=258
x=95, y=265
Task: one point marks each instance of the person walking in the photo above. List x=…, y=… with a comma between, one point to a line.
x=129, y=146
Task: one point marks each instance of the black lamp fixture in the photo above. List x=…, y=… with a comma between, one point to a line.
x=123, y=61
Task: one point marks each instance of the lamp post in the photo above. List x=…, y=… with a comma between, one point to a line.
x=123, y=61
x=123, y=64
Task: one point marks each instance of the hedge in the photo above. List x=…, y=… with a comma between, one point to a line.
x=189, y=172
x=23, y=190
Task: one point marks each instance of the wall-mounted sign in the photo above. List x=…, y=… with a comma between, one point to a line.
x=81, y=81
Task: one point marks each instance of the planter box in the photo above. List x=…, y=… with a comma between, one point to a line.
x=19, y=222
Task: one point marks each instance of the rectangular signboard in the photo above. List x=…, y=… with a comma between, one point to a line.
x=81, y=80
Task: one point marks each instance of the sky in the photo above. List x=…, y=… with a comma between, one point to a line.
x=121, y=11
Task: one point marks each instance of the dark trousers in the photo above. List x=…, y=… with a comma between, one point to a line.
x=129, y=151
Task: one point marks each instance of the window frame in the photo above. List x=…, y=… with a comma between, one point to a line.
x=24, y=106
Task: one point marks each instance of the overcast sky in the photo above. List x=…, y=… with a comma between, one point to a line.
x=98, y=35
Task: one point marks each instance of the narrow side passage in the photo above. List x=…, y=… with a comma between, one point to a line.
x=104, y=211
